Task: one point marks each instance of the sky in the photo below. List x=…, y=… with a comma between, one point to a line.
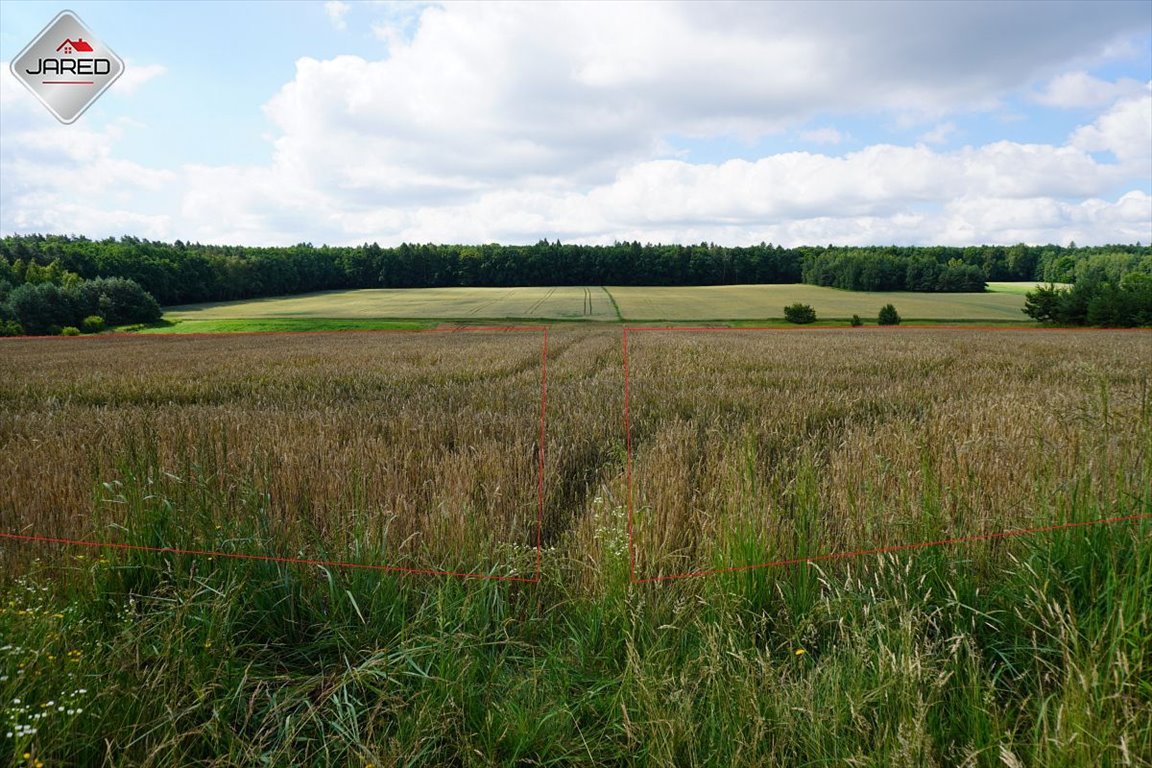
x=851, y=123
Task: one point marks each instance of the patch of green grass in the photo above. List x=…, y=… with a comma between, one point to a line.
x=1020, y=288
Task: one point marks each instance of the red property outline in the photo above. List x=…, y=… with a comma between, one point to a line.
x=331, y=563
x=830, y=555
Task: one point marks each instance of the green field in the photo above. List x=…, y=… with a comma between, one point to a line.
x=754, y=302
x=561, y=303
x=632, y=303
x=1020, y=288
x=281, y=325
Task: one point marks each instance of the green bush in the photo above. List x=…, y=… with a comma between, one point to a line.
x=799, y=313
x=69, y=330
x=889, y=315
x=10, y=328
x=856, y=321
x=92, y=324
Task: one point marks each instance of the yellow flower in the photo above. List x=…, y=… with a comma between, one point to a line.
x=800, y=651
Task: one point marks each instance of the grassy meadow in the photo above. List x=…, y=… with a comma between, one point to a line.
x=1002, y=304
x=421, y=451
x=756, y=302
x=559, y=303
x=1020, y=288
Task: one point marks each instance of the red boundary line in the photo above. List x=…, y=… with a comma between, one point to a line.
x=832, y=555
x=337, y=563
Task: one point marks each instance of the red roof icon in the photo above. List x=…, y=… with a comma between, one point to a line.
x=78, y=44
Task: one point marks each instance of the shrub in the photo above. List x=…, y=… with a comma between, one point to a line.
x=889, y=315
x=799, y=313
x=69, y=330
x=856, y=321
x=10, y=328
x=92, y=324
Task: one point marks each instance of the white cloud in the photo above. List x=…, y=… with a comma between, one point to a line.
x=336, y=11
x=575, y=90
x=1080, y=89
x=67, y=178
x=822, y=136
x=136, y=75
x=1125, y=131
x=514, y=122
x=1002, y=192
x=940, y=134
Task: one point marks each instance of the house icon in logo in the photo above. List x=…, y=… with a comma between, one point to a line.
x=78, y=44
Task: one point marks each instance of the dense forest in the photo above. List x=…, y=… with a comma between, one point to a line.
x=42, y=276
x=183, y=273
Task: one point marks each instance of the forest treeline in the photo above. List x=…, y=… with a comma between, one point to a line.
x=184, y=273
x=54, y=284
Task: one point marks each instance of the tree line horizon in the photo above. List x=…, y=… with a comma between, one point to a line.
x=187, y=273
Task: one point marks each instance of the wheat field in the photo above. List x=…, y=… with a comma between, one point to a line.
x=265, y=499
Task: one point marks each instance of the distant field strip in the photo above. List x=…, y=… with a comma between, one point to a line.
x=557, y=303
x=637, y=303
x=756, y=302
x=1020, y=287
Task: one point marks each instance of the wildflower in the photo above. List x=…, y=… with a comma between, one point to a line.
x=800, y=651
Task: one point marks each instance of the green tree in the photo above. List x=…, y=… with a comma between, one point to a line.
x=800, y=314
x=40, y=308
x=889, y=315
x=1043, y=303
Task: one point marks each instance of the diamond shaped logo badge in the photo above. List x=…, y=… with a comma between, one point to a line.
x=67, y=67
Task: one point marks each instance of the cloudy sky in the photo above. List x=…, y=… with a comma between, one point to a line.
x=792, y=123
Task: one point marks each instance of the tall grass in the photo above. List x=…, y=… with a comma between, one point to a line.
x=1026, y=651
